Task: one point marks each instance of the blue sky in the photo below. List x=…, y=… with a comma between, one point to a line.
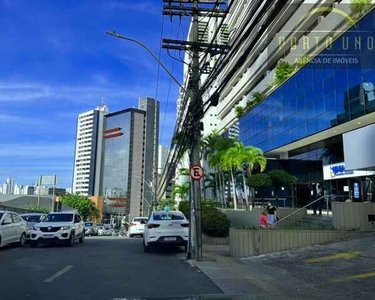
x=56, y=61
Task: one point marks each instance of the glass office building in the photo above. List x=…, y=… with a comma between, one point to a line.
x=305, y=118
x=122, y=185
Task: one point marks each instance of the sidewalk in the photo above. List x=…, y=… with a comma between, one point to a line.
x=343, y=270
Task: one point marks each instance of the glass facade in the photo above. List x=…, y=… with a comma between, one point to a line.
x=319, y=96
x=116, y=163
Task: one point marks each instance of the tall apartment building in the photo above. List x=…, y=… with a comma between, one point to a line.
x=152, y=109
x=88, y=152
x=162, y=158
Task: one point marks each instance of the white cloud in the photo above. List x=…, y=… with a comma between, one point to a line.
x=86, y=94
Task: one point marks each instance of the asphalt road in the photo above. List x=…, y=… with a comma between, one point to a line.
x=101, y=268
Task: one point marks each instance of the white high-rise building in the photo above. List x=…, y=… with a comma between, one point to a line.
x=163, y=156
x=88, y=152
x=18, y=189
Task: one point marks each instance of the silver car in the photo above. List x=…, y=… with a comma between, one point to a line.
x=32, y=219
x=12, y=228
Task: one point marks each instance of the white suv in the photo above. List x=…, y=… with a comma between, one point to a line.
x=63, y=227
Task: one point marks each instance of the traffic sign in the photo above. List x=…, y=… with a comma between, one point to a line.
x=196, y=172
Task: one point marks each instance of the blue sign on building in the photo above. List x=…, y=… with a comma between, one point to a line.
x=356, y=190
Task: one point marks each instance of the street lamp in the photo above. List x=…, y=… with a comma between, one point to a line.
x=120, y=36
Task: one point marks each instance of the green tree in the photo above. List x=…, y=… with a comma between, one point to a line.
x=283, y=71
x=254, y=157
x=182, y=190
x=217, y=147
x=210, y=182
x=251, y=156
x=281, y=178
x=34, y=208
x=229, y=163
x=261, y=182
x=83, y=204
x=166, y=202
x=184, y=171
x=359, y=8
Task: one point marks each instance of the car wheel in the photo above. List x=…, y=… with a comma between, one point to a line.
x=22, y=240
x=33, y=244
x=130, y=235
x=70, y=242
x=82, y=238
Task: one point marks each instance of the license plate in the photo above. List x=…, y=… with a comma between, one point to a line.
x=170, y=239
x=48, y=236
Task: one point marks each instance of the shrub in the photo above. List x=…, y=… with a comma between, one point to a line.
x=240, y=111
x=206, y=205
x=215, y=223
x=184, y=207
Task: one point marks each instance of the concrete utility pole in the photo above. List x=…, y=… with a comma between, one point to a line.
x=195, y=109
x=196, y=104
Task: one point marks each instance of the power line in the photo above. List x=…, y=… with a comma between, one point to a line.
x=169, y=88
x=158, y=73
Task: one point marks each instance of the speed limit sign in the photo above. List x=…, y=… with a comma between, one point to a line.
x=196, y=172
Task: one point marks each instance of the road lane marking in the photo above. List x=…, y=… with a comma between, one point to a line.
x=343, y=255
x=358, y=276
x=58, y=274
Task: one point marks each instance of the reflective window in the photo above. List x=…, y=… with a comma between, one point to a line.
x=316, y=98
x=116, y=164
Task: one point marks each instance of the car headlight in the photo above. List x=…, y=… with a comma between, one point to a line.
x=29, y=228
x=65, y=227
x=36, y=228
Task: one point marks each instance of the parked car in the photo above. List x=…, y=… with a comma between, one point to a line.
x=64, y=227
x=101, y=230
x=137, y=226
x=32, y=219
x=108, y=232
x=91, y=229
x=13, y=228
x=166, y=228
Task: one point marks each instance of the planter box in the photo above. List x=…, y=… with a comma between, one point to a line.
x=244, y=242
x=353, y=215
x=208, y=240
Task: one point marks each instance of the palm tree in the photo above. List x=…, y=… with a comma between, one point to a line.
x=209, y=145
x=182, y=190
x=229, y=163
x=215, y=160
x=210, y=182
x=253, y=156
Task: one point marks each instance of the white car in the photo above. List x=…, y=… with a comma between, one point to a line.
x=64, y=227
x=12, y=228
x=166, y=228
x=137, y=226
x=101, y=230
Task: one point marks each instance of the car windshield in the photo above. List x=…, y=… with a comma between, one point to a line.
x=167, y=216
x=31, y=218
x=59, y=218
x=89, y=224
